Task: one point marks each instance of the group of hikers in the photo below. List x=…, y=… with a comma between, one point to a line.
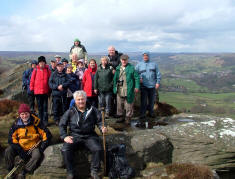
x=79, y=90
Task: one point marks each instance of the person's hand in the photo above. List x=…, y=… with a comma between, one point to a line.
x=95, y=91
x=141, y=80
x=157, y=86
x=68, y=139
x=60, y=87
x=104, y=130
x=136, y=90
x=114, y=71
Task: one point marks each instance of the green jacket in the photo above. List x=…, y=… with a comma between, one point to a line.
x=132, y=79
x=104, y=79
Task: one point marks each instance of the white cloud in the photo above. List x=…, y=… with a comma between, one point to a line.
x=156, y=25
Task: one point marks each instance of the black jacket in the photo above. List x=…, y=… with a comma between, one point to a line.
x=115, y=60
x=57, y=79
x=80, y=127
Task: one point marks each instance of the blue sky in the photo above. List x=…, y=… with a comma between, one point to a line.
x=133, y=25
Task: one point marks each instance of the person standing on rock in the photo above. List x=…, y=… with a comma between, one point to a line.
x=24, y=135
x=40, y=87
x=81, y=120
x=114, y=60
x=150, y=77
x=53, y=65
x=57, y=58
x=59, y=83
x=104, y=85
x=26, y=85
x=125, y=84
x=78, y=49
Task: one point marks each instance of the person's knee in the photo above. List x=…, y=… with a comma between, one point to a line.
x=36, y=155
x=66, y=148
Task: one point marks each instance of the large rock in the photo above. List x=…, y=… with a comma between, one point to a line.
x=202, y=139
x=142, y=147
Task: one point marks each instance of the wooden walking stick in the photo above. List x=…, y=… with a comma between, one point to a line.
x=104, y=143
x=21, y=162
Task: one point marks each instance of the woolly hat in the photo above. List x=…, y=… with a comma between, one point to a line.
x=77, y=40
x=146, y=53
x=23, y=108
x=64, y=60
x=60, y=63
x=41, y=59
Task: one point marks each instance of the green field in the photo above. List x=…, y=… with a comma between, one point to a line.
x=222, y=104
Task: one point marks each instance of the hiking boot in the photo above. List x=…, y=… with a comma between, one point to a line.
x=70, y=176
x=95, y=175
x=121, y=120
x=152, y=115
x=128, y=121
x=140, y=124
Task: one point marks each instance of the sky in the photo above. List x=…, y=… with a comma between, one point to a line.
x=129, y=25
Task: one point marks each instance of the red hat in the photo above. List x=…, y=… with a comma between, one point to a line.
x=23, y=108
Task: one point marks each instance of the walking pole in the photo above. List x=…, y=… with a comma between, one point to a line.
x=104, y=143
x=21, y=162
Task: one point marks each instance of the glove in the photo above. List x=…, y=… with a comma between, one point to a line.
x=23, y=155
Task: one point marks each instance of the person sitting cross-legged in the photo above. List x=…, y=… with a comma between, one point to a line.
x=81, y=120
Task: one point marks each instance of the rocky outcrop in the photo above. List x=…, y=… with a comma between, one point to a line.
x=202, y=139
x=142, y=147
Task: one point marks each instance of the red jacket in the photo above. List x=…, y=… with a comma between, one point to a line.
x=39, y=80
x=87, y=81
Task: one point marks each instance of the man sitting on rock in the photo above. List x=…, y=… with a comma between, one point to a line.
x=81, y=119
x=26, y=134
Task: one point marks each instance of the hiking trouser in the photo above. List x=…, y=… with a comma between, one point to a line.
x=92, y=143
x=105, y=100
x=147, y=96
x=122, y=105
x=11, y=154
x=42, y=101
x=93, y=101
x=59, y=106
x=31, y=99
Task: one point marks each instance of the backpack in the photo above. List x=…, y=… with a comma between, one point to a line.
x=117, y=163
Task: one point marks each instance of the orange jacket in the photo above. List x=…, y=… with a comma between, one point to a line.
x=28, y=135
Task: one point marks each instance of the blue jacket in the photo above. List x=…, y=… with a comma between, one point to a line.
x=74, y=82
x=149, y=73
x=26, y=80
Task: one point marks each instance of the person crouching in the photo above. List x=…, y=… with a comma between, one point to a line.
x=24, y=135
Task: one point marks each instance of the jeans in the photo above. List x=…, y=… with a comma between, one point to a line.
x=105, y=100
x=92, y=143
x=42, y=101
x=59, y=106
x=147, y=95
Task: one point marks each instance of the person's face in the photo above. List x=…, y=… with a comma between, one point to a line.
x=92, y=64
x=25, y=116
x=76, y=43
x=80, y=102
x=69, y=70
x=104, y=61
x=58, y=59
x=41, y=64
x=33, y=65
x=145, y=57
x=74, y=59
x=80, y=65
x=124, y=62
x=60, y=68
x=53, y=64
x=85, y=61
x=111, y=51
x=65, y=63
